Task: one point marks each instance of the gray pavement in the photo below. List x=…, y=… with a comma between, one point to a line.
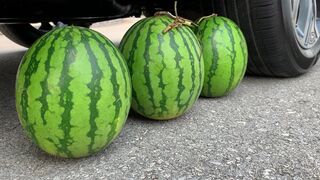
x=267, y=129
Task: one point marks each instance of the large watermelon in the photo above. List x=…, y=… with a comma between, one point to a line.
x=225, y=55
x=166, y=68
x=73, y=92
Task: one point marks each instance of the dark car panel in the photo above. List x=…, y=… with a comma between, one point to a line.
x=18, y=11
x=59, y=10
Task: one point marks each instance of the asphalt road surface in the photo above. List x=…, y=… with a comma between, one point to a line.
x=267, y=129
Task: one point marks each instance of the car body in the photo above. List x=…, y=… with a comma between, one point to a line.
x=17, y=11
x=283, y=35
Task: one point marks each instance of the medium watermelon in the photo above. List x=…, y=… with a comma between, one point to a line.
x=73, y=92
x=166, y=68
x=225, y=55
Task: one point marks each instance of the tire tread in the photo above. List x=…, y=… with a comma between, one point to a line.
x=261, y=21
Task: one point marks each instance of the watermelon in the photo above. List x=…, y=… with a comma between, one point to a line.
x=73, y=92
x=225, y=55
x=166, y=68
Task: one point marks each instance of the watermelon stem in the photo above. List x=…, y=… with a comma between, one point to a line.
x=205, y=17
x=165, y=13
x=176, y=8
x=178, y=21
x=60, y=24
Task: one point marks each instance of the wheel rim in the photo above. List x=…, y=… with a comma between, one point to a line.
x=306, y=22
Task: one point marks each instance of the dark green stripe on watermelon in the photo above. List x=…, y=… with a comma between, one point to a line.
x=196, y=46
x=244, y=49
x=193, y=86
x=187, y=35
x=44, y=83
x=214, y=65
x=233, y=53
x=135, y=29
x=95, y=91
x=178, y=59
x=164, y=97
x=66, y=98
x=32, y=68
x=146, y=66
x=118, y=103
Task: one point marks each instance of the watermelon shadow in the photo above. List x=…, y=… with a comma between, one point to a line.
x=135, y=117
x=9, y=62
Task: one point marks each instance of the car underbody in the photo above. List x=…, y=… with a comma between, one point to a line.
x=283, y=35
x=97, y=10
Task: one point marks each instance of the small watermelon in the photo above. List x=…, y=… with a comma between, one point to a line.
x=166, y=68
x=73, y=92
x=225, y=55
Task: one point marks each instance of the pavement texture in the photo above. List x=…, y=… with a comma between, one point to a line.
x=267, y=129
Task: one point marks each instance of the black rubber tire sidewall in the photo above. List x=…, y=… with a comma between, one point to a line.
x=22, y=34
x=305, y=58
x=25, y=34
x=283, y=57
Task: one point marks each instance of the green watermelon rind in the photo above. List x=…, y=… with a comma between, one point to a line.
x=166, y=68
x=73, y=92
x=225, y=55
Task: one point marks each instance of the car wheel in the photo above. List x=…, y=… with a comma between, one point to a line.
x=283, y=35
x=26, y=34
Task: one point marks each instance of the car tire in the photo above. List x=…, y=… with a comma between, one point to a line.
x=26, y=34
x=272, y=35
x=22, y=34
